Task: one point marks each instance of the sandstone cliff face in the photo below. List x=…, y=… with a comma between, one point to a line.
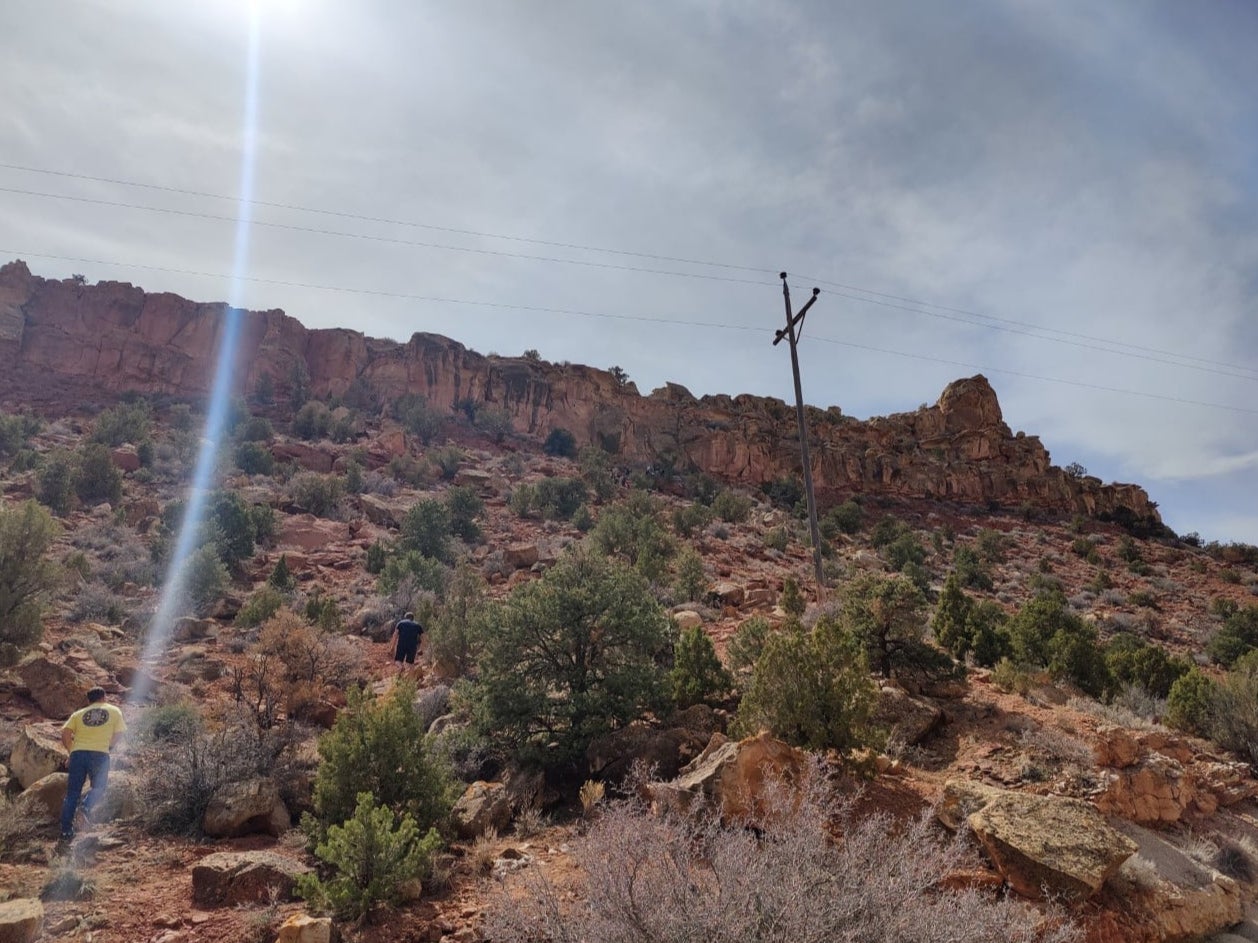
x=113, y=336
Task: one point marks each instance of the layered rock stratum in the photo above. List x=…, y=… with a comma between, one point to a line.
x=113, y=336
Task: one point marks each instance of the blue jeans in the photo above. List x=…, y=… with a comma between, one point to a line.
x=84, y=765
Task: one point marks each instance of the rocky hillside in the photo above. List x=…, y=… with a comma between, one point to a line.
x=115, y=336
x=1061, y=771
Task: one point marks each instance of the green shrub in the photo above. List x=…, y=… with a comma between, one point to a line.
x=465, y=506
x=888, y=530
x=632, y=531
x=690, y=518
x=690, y=580
x=97, y=479
x=523, y=500
x=596, y=469
x=1234, y=724
x=127, y=422
x=456, y=632
x=847, y=518
x=371, y=856
x=785, y=493
x=792, y=599
x=424, y=572
x=260, y=606
x=1221, y=607
x=377, y=745
x=55, y=482
x=256, y=429
x=746, y=646
x=1190, y=703
x=779, y=538
x=731, y=507
x=375, y=558
x=312, y=421
x=560, y=443
x=970, y=569
x=697, y=676
x=573, y=656
x=1133, y=661
x=1143, y=598
x=27, y=576
x=232, y=527
x=494, y=422
x=16, y=432
x=319, y=494
x=354, y=482
x=426, y=530
x=904, y=551
x=582, y=519
x=885, y=615
x=990, y=545
x=448, y=460
x=557, y=499
x=418, y=417
x=254, y=459
x=1046, y=634
x=281, y=577
x=1238, y=635
x=205, y=579
x=811, y=689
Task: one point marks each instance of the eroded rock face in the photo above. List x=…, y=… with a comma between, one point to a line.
x=227, y=878
x=1156, y=790
x=58, y=689
x=114, y=336
x=303, y=928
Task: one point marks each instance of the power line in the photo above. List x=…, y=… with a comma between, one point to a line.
x=990, y=322
x=679, y=322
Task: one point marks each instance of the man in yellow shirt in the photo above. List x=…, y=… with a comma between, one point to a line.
x=89, y=735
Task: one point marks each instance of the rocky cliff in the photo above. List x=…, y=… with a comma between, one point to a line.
x=113, y=336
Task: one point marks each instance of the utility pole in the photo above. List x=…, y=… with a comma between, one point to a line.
x=794, y=321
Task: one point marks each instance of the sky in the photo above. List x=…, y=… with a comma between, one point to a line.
x=1059, y=194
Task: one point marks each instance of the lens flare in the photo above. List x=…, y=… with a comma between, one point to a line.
x=170, y=602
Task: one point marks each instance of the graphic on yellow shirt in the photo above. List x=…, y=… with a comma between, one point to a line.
x=94, y=727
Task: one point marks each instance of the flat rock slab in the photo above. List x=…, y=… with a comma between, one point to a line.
x=227, y=878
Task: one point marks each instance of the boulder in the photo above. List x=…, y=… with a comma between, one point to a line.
x=41, y=802
x=303, y=928
x=1046, y=844
x=611, y=756
x=727, y=594
x=125, y=458
x=245, y=808
x=228, y=878
x=121, y=799
x=520, y=556
x=1154, y=791
x=483, y=806
x=58, y=690
x=21, y=920
x=687, y=619
x=1222, y=784
x=1116, y=747
x=740, y=778
x=907, y=718
x=192, y=629
x=37, y=753
x=380, y=511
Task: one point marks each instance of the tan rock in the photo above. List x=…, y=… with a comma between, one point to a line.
x=21, y=920
x=1116, y=747
x=520, y=556
x=1049, y=844
x=907, y=718
x=244, y=808
x=42, y=800
x=727, y=593
x=303, y=928
x=1155, y=791
x=687, y=619
x=739, y=777
x=482, y=806
x=381, y=511
x=126, y=459
x=57, y=689
x=37, y=752
x=227, y=878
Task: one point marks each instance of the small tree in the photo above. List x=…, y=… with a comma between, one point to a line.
x=1238, y=635
x=97, y=479
x=811, y=689
x=560, y=443
x=372, y=855
x=378, y=746
x=952, y=615
x=465, y=506
x=885, y=613
x=454, y=638
x=691, y=579
x=204, y=579
x=426, y=529
x=792, y=600
x=55, y=482
x=1190, y=703
x=697, y=676
x=746, y=647
x=574, y=655
x=281, y=576
x=26, y=576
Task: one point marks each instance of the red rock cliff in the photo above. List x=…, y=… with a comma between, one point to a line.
x=114, y=337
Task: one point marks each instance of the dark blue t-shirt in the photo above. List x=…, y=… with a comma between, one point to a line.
x=408, y=633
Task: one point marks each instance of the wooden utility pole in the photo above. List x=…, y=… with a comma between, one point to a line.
x=794, y=321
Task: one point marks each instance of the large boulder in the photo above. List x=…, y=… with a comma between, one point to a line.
x=1041, y=844
x=37, y=752
x=303, y=928
x=1156, y=790
x=483, y=806
x=42, y=801
x=520, y=556
x=21, y=920
x=740, y=778
x=245, y=808
x=228, y=878
x=57, y=689
x=906, y=718
x=612, y=756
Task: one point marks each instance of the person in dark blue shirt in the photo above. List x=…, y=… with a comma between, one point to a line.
x=408, y=632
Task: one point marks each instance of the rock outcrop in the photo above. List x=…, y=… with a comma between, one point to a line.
x=227, y=878
x=740, y=778
x=113, y=336
x=37, y=752
x=245, y=808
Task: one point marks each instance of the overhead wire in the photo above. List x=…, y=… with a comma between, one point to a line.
x=717, y=325
x=918, y=306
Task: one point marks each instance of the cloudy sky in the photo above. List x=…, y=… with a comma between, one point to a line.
x=1061, y=194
